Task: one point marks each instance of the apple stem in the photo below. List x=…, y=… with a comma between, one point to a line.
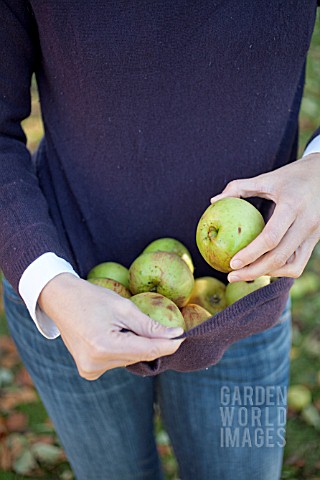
x=212, y=233
x=214, y=299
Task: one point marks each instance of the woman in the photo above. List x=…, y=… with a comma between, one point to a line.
x=149, y=109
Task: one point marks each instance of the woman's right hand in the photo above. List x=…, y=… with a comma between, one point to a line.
x=90, y=319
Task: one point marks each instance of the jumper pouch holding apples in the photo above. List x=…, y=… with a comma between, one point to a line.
x=205, y=344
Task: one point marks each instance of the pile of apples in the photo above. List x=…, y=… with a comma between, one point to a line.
x=160, y=281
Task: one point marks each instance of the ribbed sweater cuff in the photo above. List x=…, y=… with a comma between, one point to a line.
x=22, y=249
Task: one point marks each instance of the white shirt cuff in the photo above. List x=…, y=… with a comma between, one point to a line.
x=33, y=280
x=313, y=147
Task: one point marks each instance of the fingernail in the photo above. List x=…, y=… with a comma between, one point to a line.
x=233, y=278
x=236, y=264
x=175, y=332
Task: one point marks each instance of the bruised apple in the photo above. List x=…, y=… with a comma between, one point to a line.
x=172, y=245
x=111, y=285
x=209, y=293
x=112, y=270
x=226, y=227
x=164, y=273
x=159, y=308
x=194, y=315
x=237, y=290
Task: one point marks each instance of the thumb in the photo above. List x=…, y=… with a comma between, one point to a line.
x=145, y=326
x=244, y=188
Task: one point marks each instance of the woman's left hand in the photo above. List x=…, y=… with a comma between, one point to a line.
x=285, y=245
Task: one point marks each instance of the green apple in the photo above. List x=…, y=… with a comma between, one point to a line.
x=237, y=290
x=171, y=245
x=299, y=397
x=194, y=315
x=112, y=270
x=159, y=308
x=162, y=272
x=111, y=285
x=226, y=227
x=209, y=293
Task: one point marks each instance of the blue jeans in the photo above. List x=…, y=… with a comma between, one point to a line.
x=224, y=422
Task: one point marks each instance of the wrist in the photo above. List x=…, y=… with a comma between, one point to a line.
x=58, y=287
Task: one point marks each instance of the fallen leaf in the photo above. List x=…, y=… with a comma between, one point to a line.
x=6, y=377
x=163, y=438
x=7, y=344
x=5, y=457
x=164, y=450
x=17, y=443
x=48, y=454
x=300, y=462
x=3, y=427
x=23, y=378
x=10, y=360
x=11, y=399
x=48, y=439
x=311, y=416
x=25, y=463
x=295, y=460
x=17, y=422
x=49, y=423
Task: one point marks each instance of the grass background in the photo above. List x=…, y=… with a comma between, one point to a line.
x=302, y=451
